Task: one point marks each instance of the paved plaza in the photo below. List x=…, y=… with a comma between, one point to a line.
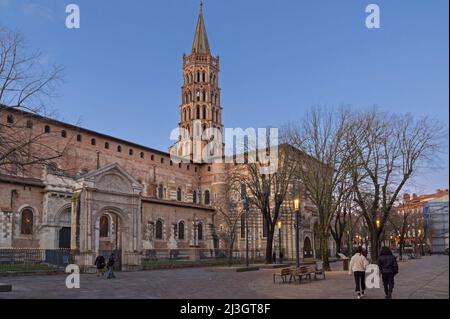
x=421, y=279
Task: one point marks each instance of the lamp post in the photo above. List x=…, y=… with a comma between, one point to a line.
x=279, y=239
x=297, y=231
x=245, y=203
x=246, y=208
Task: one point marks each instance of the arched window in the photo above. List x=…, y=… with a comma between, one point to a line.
x=200, y=231
x=198, y=76
x=46, y=129
x=159, y=229
x=10, y=119
x=207, y=199
x=104, y=226
x=179, y=194
x=119, y=148
x=204, y=112
x=203, y=77
x=189, y=113
x=204, y=96
x=63, y=134
x=29, y=124
x=161, y=191
x=27, y=222
x=181, y=230
x=194, y=197
x=243, y=226
x=198, y=96
x=198, y=112
x=184, y=115
x=93, y=141
x=79, y=138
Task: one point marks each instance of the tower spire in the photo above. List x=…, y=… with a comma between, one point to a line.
x=201, y=44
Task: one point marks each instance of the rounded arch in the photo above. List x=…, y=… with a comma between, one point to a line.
x=207, y=197
x=160, y=191
x=27, y=218
x=181, y=227
x=112, y=210
x=159, y=229
x=307, y=248
x=200, y=231
x=60, y=217
x=105, y=224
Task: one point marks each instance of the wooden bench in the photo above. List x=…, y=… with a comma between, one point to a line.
x=303, y=271
x=284, y=273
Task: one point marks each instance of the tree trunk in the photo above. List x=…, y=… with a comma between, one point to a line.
x=324, y=249
x=230, y=254
x=375, y=246
x=338, y=246
x=269, y=244
x=402, y=244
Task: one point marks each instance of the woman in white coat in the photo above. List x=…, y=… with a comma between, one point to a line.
x=358, y=265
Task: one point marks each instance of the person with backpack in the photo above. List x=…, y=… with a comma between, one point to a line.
x=358, y=265
x=100, y=263
x=387, y=263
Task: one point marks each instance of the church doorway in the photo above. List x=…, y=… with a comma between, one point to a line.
x=64, y=233
x=64, y=238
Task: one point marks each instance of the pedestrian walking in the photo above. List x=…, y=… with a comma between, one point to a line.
x=111, y=262
x=100, y=263
x=358, y=265
x=274, y=257
x=387, y=263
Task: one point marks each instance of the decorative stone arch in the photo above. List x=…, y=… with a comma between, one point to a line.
x=58, y=219
x=34, y=213
x=118, y=237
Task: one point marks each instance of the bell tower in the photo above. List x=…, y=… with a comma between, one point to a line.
x=200, y=110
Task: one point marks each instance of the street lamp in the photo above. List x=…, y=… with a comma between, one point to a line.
x=279, y=239
x=297, y=235
x=378, y=223
x=247, y=209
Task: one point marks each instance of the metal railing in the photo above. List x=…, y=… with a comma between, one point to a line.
x=34, y=260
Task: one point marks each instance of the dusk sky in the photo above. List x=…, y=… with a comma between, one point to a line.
x=123, y=66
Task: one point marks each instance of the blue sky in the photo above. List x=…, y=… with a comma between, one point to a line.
x=123, y=66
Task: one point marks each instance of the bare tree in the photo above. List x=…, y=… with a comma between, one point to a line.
x=26, y=87
x=227, y=205
x=343, y=209
x=267, y=191
x=322, y=163
x=386, y=150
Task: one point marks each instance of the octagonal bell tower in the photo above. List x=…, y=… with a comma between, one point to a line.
x=200, y=109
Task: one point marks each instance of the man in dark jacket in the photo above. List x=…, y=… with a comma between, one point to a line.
x=388, y=269
x=100, y=264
